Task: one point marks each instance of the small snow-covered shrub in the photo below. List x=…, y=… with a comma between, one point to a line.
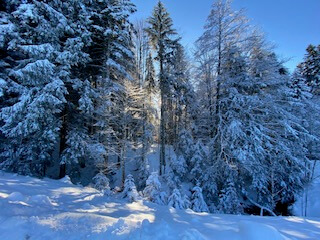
x=66, y=179
x=229, y=202
x=186, y=201
x=153, y=191
x=16, y=197
x=197, y=202
x=175, y=200
x=130, y=190
x=101, y=183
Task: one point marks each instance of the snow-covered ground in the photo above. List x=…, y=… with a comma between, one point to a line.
x=48, y=209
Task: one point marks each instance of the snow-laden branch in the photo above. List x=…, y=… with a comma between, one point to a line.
x=261, y=207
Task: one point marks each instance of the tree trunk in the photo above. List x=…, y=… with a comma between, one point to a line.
x=162, y=137
x=144, y=139
x=62, y=172
x=123, y=168
x=162, y=117
x=218, y=146
x=63, y=142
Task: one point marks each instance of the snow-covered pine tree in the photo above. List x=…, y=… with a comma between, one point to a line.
x=76, y=147
x=198, y=161
x=311, y=68
x=186, y=201
x=180, y=99
x=101, y=183
x=178, y=165
x=197, y=202
x=62, y=50
x=130, y=190
x=185, y=145
x=177, y=170
x=150, y=88
x=9, y=89
x=32, y=123
x=101, y=32
x=299, y=85
x=110, y=69
x=153, y=191
x=229, y=202
x=161, y=35
x=205, y=107
x=308, y=73
x=8, y=59
x=175, y=200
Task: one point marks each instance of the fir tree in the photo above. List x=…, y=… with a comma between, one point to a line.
x=101, y=183
x=229, y=200
x=197, y=202
x=32, y=123
x=153, y=189
x=175, y=200
x=311, y=67
x=186, y=145
x=74, y=140
x=130, y=190
x=109, y=71
x=198, y=160
x=161, y=35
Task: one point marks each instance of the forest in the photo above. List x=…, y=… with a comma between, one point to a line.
x=87, y=92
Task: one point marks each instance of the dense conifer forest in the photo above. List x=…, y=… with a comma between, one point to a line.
x=89, y=93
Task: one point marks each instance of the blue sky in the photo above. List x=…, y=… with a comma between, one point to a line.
x=289, y=24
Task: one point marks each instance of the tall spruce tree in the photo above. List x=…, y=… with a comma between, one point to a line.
x=162, y=33
x=110, y=69
x=311, y=67
x=75, y=144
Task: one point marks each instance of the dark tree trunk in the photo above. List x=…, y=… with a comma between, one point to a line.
x=63, y=142
x=162, y=120
x=62, y=172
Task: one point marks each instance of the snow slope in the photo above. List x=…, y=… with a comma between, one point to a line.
x=49, y=209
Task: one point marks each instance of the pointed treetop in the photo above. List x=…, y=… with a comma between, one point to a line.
x=161, y=25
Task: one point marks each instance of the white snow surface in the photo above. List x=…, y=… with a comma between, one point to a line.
x=37, y=209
